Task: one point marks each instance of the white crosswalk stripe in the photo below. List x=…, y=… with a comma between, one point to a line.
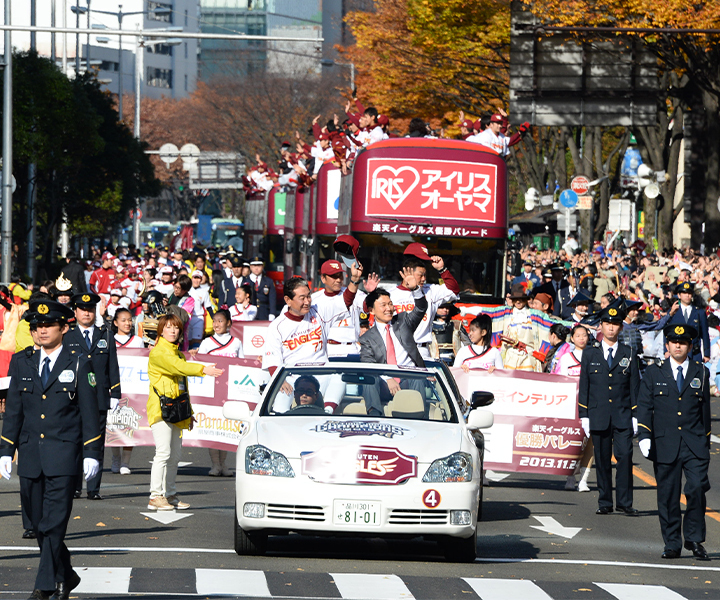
x=501, y=589
x=634, y=591
x=209, y=582
x=98, y=580
x=364, y=586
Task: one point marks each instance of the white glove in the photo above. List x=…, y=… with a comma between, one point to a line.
x=271, y=317
x=635, y=425
x=91, y=467
x=645, y=447
x=5, y=466
x=329, y=410
x=114, y=404
x=585, y=422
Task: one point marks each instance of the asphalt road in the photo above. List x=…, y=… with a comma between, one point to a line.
x=119, y=549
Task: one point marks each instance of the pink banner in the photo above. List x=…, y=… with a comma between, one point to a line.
x=128, y=425
x=536, y=428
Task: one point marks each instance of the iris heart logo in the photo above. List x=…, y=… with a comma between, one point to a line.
x=396, y=185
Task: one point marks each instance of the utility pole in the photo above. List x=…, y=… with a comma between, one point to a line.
x=32, y=176
x=6, y=227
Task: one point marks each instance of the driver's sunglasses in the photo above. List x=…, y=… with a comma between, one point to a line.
x=306, y=392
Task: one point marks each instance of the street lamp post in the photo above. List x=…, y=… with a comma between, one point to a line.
x=328, y=62
x=78, y=10
x=140, y=45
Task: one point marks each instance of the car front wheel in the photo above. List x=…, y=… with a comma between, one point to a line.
x=249, y=543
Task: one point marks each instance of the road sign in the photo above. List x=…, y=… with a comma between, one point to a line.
x=580, y=185
x=568, y=198
x=169, y=153
x=132, y=214
x=565, y=224
x=585, y=202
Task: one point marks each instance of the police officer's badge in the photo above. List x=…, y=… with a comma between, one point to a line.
x=612, y=312
x=43, y=309
x=86, y=298
x=91, y=379
x=625, y=362
x=679, y=330
x=102, y=344
x=695, y=384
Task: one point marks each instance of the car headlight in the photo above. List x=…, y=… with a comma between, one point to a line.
x=456, y=467
x=260, y=460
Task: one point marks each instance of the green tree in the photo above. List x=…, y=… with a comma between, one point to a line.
x=89, y=166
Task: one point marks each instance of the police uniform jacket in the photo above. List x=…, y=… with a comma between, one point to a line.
x=608, y=394
x=226, y=293
x=103, y=354
x=263, y=296
x=51, y=425
x=667, y=416
x=698, y=320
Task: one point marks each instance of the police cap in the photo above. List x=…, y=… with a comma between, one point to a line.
x=612, y=314
x=679, y=333
x=87, y=301
x=48, y=311
x=684, y=288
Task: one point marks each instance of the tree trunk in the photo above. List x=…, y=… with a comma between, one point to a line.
x=711, y=212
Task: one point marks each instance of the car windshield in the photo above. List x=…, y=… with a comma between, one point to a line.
x=391, y=392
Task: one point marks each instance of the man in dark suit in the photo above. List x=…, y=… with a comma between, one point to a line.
x=52, y=420
x=674, y=420
x=226, y=291
x=687, y=314
x=263, y=290
x=97, y=344
x=75, y=272
x=391, y=339
x=554, y=287
x=609, y=382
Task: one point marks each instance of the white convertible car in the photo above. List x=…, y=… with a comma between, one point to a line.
x=400, y=464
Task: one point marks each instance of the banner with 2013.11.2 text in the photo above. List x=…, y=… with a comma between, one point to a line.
x=536, y=428
x=241, y=380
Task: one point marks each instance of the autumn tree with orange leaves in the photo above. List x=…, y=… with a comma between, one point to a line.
x=690, y=103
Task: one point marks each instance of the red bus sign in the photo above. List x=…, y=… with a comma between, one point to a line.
x=433, y=189
x=580, y=185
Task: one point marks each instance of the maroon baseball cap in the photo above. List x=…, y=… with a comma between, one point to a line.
x=107, y=256
x=331, y=267
x=417, y=250
x=323, y=136
x=467, y=123
x=383, y=120
x=496, y=118
x=347, y=247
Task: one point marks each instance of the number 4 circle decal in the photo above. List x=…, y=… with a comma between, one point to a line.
x=431, y=498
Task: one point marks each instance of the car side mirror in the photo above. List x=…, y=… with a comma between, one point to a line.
x=480, y=399
x=236, y=411
x=480, y=419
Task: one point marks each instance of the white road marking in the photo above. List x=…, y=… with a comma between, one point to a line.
x=98, y=580
x=502, y=589
x=231, y=582
x=630, y=591
x=714, y=439
x=493, y=476
x=550, y=525
x=365, y=586
x=166, y=517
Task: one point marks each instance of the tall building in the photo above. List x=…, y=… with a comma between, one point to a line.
x=288, y=18
x=168, y=70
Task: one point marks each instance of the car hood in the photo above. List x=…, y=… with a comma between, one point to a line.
x=297, y=436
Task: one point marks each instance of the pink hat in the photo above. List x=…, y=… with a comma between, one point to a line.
x=107, y=256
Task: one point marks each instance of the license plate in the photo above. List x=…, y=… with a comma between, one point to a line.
x=356, y=512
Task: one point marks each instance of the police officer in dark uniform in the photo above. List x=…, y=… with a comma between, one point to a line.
x=98, y=344
x=52, y=420
x=695, y=318
x=263, y=290
x=674, y=432
x=609, y=382
x=226, y=293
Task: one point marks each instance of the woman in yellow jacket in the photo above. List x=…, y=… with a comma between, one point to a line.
x=168, y=372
